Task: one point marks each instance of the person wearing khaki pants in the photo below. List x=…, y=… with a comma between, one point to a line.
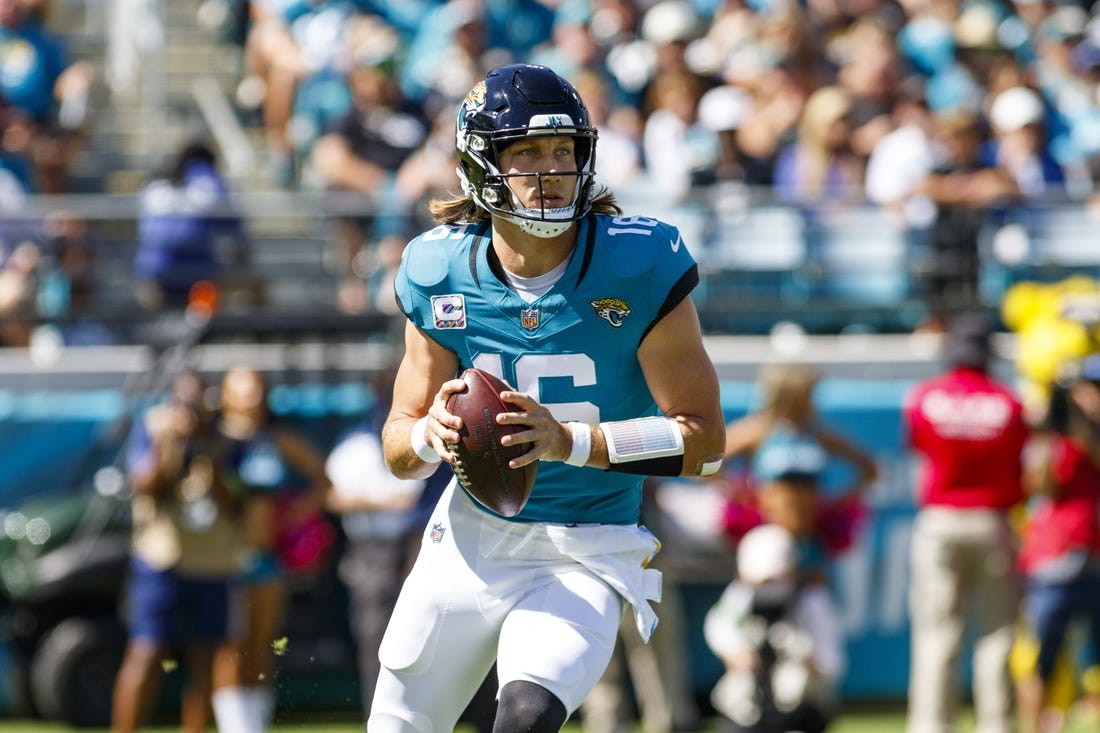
x=969, y=431
x=962, y=570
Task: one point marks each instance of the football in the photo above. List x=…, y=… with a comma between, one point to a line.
x=481, y=463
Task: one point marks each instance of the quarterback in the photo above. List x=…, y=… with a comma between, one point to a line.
x=534, y=275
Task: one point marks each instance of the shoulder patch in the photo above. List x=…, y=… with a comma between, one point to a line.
x=449, y=311
x=427, y=263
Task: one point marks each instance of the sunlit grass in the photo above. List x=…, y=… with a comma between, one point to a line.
x=891, y=721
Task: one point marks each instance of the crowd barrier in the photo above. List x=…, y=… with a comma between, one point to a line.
x=833, y=267
x=46, y=431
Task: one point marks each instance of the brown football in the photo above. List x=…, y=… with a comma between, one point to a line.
x=481, y=463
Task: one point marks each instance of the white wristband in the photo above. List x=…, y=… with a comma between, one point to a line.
x=709, y=468
x=582, y=443
x=419, y=439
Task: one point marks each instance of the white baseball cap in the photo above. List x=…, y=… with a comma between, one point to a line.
x=1016, y=107
x=724, y=108
x=766, y=552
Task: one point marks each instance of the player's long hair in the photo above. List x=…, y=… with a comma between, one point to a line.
x=463, y=209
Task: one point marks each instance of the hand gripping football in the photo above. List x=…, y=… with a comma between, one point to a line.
x=481, y=462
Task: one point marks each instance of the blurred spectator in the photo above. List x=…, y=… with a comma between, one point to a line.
x=378, y=515
x=969, y=431
x=429, y=172
x=517, y=26
x=901, y=159
x=573, y=47
x=788, y=450
x=17, y=135
x=187, y=223
x=819, y=163
x=870, y=71
x=135, y=36
x=18, y=283
x=290, y=45
x=187, y=548
x=667, y=29
x=68, y=286
x=1065, y=46
x=447, y=56
x=19, y=258
x=279, y=477
x=780, y=641
x=679, y=152
x=722, y=110
x=1060, y=552
x=965, y=190
x=1017, y=118
x=780, y=67
x=52, y=92
x=363, y=151
x=619, y=154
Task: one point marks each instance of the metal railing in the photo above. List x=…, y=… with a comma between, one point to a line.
x=826, y=268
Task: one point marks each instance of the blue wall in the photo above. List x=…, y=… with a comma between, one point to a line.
x=871, y=581
x=45, y=436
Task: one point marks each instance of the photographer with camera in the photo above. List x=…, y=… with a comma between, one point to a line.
x=186, y=550
x=779, y=638
x=1060, y=552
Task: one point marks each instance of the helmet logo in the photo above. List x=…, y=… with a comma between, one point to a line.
x=476, y=97
x=474, y=101
x=560, y=123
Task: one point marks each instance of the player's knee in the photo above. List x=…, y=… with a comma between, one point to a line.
x=530, y=707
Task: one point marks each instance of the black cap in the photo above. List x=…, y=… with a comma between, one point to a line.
x=968, y=340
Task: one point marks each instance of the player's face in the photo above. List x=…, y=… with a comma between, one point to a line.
x=546, y=155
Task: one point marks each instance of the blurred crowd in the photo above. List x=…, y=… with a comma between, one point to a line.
x=800, y=96
x=230, y=502
x=944, y=113
x=941, y=112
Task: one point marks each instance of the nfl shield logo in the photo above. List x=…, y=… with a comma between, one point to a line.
x=529, y=318
x=437, y=533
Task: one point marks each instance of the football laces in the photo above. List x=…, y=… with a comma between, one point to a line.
x=458, y=466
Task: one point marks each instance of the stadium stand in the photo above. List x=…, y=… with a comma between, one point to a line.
x=170, y=71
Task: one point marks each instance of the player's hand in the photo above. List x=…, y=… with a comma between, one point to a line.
x=549, y=438
x=442, y=427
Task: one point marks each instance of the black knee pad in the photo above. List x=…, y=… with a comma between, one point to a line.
x=525, y=707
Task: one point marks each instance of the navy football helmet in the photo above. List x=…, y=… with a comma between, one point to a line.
x=510, y=103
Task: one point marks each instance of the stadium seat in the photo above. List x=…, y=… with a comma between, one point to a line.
x=860, y=255
x=761, y=251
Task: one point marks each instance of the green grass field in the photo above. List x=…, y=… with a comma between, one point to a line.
x=855, y=722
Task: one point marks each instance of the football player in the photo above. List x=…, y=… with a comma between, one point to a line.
x=534, y=275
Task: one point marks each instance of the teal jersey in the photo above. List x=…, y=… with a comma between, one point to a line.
x=574, y=349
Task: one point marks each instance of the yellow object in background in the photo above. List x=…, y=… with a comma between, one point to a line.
x=1062, y=691
x=1057, y=325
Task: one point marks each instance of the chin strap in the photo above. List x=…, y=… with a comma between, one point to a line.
x=540, y=228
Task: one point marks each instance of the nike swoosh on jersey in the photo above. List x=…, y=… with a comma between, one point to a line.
x=677, y=243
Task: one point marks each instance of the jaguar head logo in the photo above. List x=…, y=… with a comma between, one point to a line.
x=612, y=310
x=476, y=98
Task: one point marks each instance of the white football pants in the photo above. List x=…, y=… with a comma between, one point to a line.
x=484, y=589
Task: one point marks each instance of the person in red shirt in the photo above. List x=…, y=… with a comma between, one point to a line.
x=1060, y=552
x=969, y=431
